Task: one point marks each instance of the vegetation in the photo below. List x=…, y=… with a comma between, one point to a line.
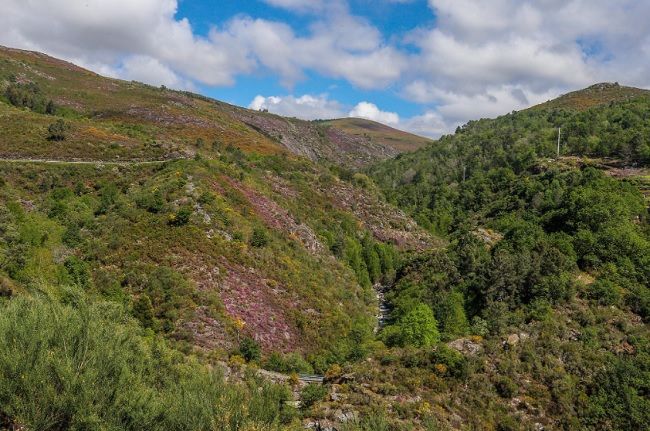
x=57, y=131
x=89, y=366
x=199, y=244
x=534, y=247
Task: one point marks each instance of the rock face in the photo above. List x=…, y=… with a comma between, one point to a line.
x=354, y=143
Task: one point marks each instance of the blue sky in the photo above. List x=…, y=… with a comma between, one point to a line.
x=420, y=65
x=391, y=18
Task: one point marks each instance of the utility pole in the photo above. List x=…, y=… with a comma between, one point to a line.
x=559, y=135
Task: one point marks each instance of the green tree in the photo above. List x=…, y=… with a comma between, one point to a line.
x=353, y=254
x=450, y=311
x=371, y=258
x=419, y=327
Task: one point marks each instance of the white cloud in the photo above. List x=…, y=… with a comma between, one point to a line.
x=354, y=51
x=309, y=107
x=430, y=124
x=370, y=111
x=151, y=70
x=102, y=34
x=488, y=58
x=298, y=5
x=306, y=107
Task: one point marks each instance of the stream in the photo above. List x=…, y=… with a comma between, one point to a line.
x=383, y=310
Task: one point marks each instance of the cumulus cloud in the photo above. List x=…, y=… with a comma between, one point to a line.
x=151, y=70
x=102, y=34
x=354, y=51
x=430, y=124
x=298, y=5
x=370, y=111
x=306, y=107
x=483, y=59
x=310, y=107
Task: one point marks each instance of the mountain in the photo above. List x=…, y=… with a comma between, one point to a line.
x=130, y=119
x=183, y=214
x=595, y=95
x=377, y=132
x=169, y=261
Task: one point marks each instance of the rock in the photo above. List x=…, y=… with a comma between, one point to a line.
x=342, y=416
x=465, y=346
x=512, y=339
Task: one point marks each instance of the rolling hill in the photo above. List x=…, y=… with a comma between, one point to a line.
x=176, y=203
x=111, y=119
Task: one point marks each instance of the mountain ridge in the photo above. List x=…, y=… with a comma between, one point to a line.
x=183, y=118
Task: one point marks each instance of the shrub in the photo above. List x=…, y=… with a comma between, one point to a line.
x=311, y=394
x=259, y=238
x=292, y=362
x=505, y=387
x=6, y=287
x=57, y=131
x=180, y=217
x=143, y=311
x=604, y=292
x=29, y=96
x=152, y=202
x=249, y=349
x=91, y=367
x=78, y=272
x=455, y=362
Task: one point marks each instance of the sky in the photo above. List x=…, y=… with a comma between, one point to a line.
x=425, y=66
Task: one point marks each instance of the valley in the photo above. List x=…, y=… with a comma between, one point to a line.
x=170, y=261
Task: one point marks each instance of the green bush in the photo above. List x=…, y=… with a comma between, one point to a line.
x=604, y=292
x=57, y=131
x=249, y=349
x=29, y=95
x=311, y=394
x=290, y=363
x=505, y=387
x=259, y=238
x=89, y=367
x=180, y=217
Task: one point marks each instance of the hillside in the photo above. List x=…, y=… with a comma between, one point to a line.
x=111, y=119
x=539, y=306
x=168, y=261
x=380, y=133
x=167, y=206
x=595, y=95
